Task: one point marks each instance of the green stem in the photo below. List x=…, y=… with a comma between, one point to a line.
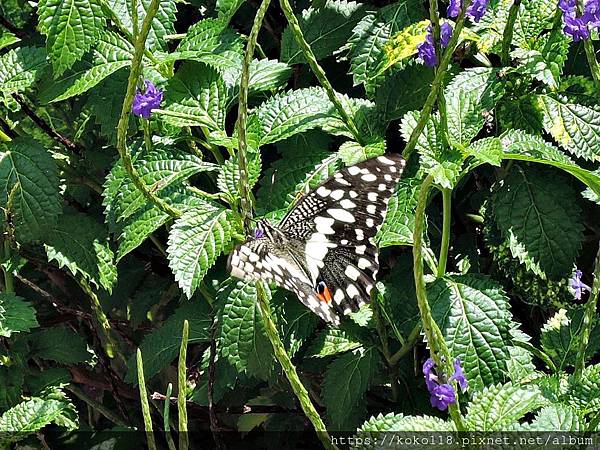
x=134, y=74
x=439, y=350
x=441, y=100
x=166, y=413
x=436, y=85
x=9, y=281
x=590, y=53
x=182, y=388
x=447, y=205
x=507, y=38
x=318, y=70
x=144, y=401
x=408, y=345
x=290, y=371
x=4, y=137
x=96, y=406
x=588, y=320
x=537, y=352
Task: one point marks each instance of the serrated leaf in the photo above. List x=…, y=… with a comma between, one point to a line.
x=499, y=406
x=110, y=54
x=162, y=24
x=71, y=27
x=585, y=393
x=242, y=336
x=399, y=223
x=59, y=344
x=16, y=315
x=468, y=95
x=486, y=151
x=473, y=314
x=557, y=418
x=81, y=244
x=345, y=406
x=160, y=347
x=228, y=180
x=20, y=68
x=7, y=38
x=372, y=33
x=325, y=29
x=32, y=415
x=546, y=61
x=227, y=8
x=352, y=152
x=105, y=106
x=332, y=341
x=575, y=127
x=29, y=188
x=196, y=96
x=536, y=211
x=196, y=239
x=399, y=422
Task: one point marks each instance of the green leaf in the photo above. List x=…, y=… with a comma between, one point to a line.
x=34, y=414
x=110, y=54
x=7, y=38
x=332, y=341
x=575, y=127
x=372, y=33
x=486, y=151
x=228, y=180
x=59, y=344
x=160, y=347
x=399, y=422
x=585, y=394
x=71, y=27
x=499, y=406
x=295, y=322
x=20, y=68
x=81, y=244
x=346, y=382
x=557, y=418
x=470, y=93
x=399, y=223
x=546, y=61
x=473, y=314
x=196, y=96
x=242, y=336
x=162, y=24
x=29, y=188
x=196, y=239
x=105, y=106
x=352, y=152
x=325, y=29
x=12, y=381
x=16, y=315
x=227, y=8
x=536, y=211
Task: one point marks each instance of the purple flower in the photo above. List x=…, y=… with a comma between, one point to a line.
x=591, y=14
x=430, y=378
x=442, y=395
x=145, y=102
x=459, y=375
x=477, y=9
x=578, y=286
x=577, y=26
x=426, y=51
x=567, y=6
x=454, y=8
x=445, y=34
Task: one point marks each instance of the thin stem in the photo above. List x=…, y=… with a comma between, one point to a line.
x=447, y=206
x=507, y=38
x=435, y=338
x=214, y=423
x=318, y=70
x=290, y=371
x=436, y=85
x=166, y=413
x=9, y=281
x=537, y=352
x=590, y=53
x=588, y=320
x=408, y=345
x=134, y=74
x=144, y=400
x=182, y=388
x=441, y=99
x=96, y=406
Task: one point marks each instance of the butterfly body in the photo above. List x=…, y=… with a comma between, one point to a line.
x=323, y=249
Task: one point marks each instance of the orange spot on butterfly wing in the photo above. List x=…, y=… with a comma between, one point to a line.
x=325, y=296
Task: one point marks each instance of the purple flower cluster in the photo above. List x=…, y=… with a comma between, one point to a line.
x=426, y=50
x=442, y=394
x=578, y=26
x=578, y=286
x=145, y=102
x=475, y=11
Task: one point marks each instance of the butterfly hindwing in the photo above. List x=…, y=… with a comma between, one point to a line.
x=327, y=239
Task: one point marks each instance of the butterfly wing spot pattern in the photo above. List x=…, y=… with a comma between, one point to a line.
x=323, y=250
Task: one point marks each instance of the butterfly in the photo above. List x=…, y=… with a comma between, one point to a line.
x=323, y=250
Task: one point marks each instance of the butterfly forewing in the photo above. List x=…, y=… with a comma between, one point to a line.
x=327, y=237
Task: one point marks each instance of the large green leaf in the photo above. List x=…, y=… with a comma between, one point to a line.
x=346, y=382
x=326, y=29
x=392, y=422
x=32, y=415
x=197, y=238
x=59, y=344
x=20, y=68
x=546, y=60
x=575, y=127
x=110, y=54
x=535, y=209
x=371, y=34
x=81, y=244
x=398, y=226
x=228, y=180
x=161, y=346
x=557, y=418
x=29, y=188
x=585, y=393
x=332, y=341
x=473, y=314
x=71, y=27
x=16, y=315
x=500, y=406
x=196, y=96
x=242, y=336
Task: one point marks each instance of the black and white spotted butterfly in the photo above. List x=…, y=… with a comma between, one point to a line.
x=323, y=250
